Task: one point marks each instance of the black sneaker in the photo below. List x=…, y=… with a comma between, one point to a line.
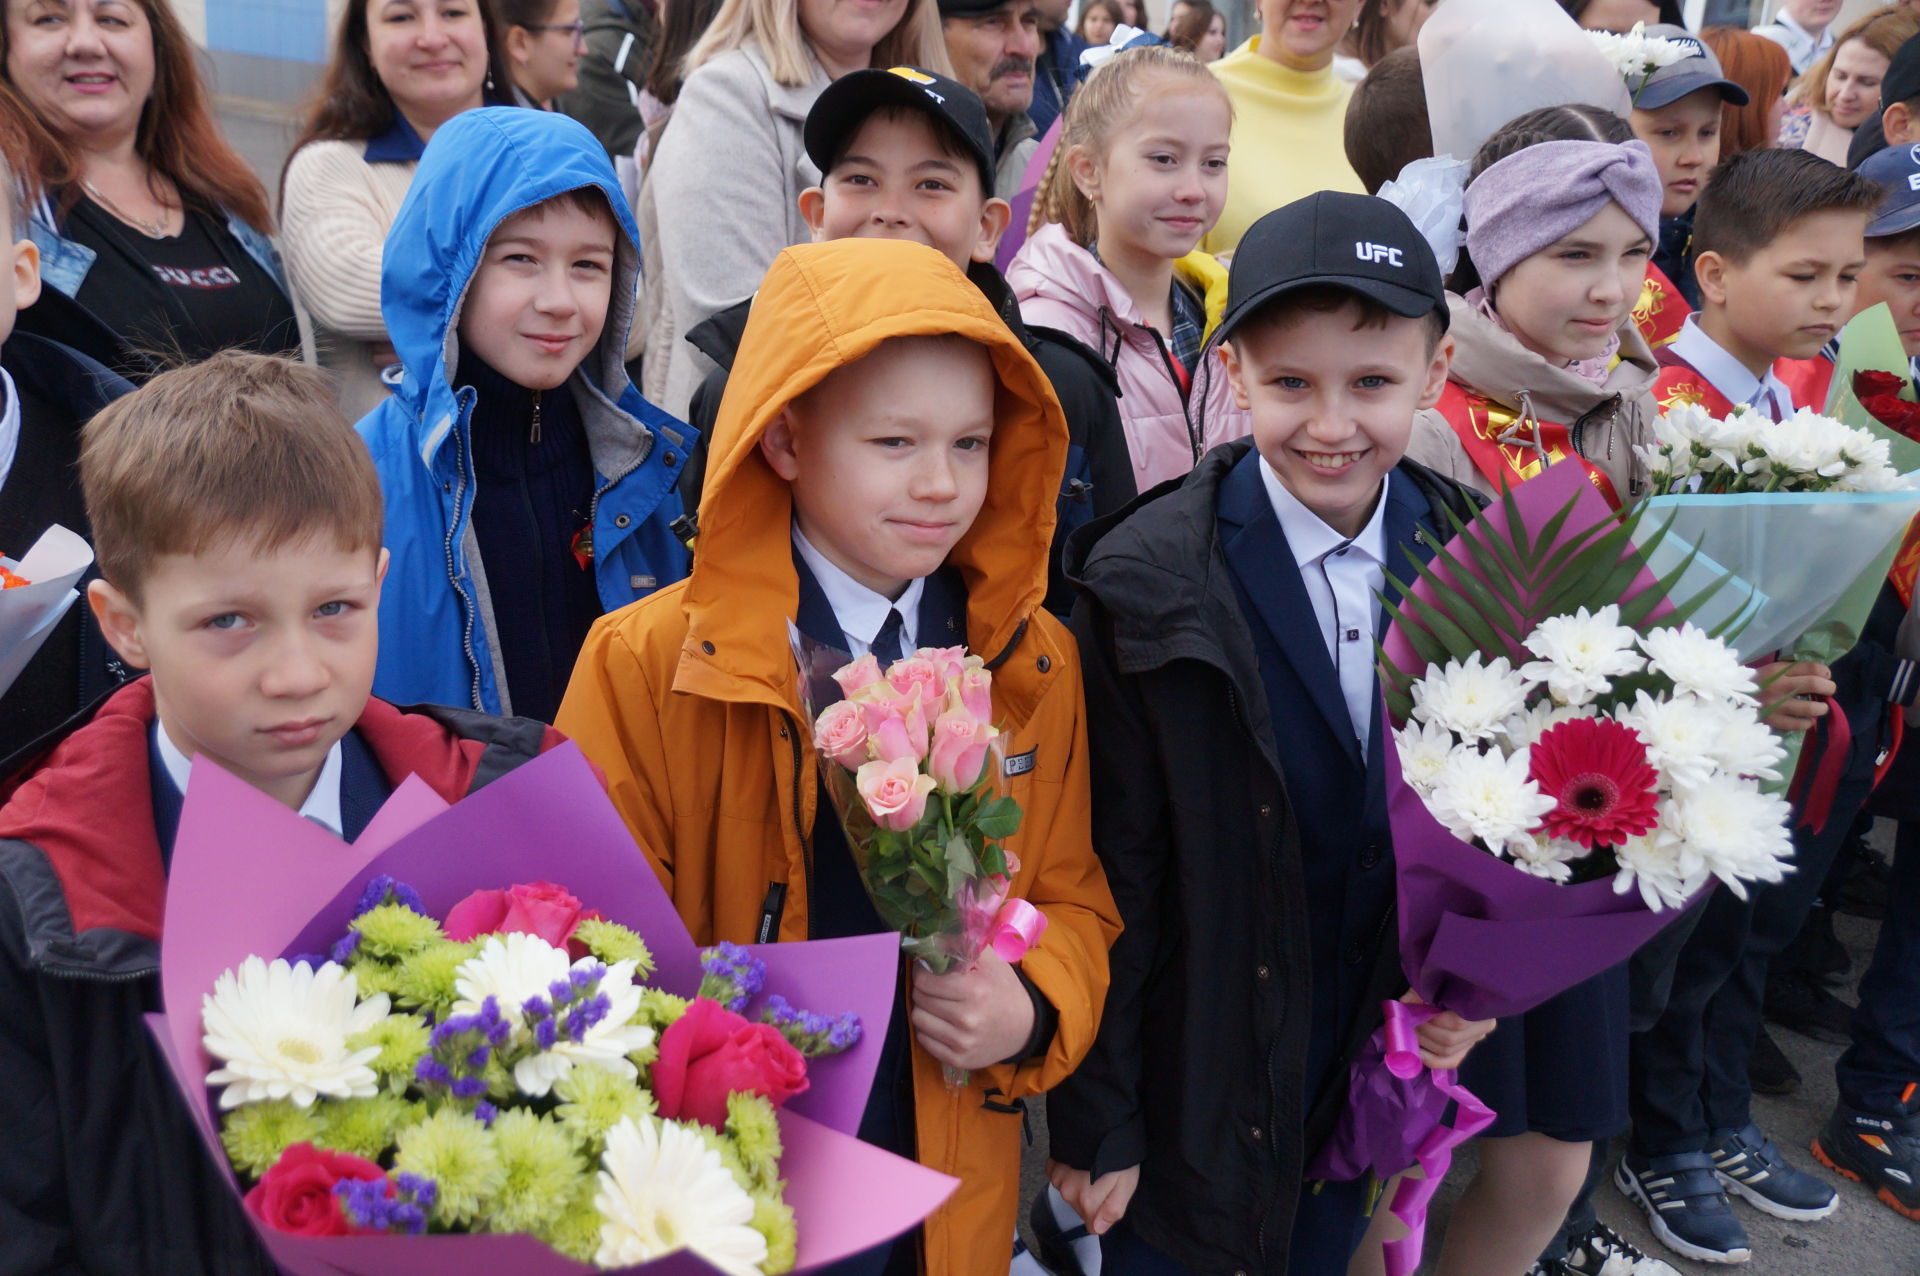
x=1882, y=1152
x=1604, y=1252
x=1769, y=1071
x=1798, y=1002
x=1056, y=1243
x=1751, y=1167
x=1685, y=1205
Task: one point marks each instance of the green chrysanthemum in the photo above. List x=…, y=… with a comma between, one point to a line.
x=401, y=1040
x=756, y=1137
x=612, y=942
x=394, y=932
x=255, y=1134
x=660, y=1008
x=574, y=1230
x=376, y=976
x=593, y=1100
x=425, y=980
x=367, y=1127
x=457, y=1152
x=773, y=1219
x=543, y=1166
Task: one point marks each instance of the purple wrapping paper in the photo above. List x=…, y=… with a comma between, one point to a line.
x=246, y=874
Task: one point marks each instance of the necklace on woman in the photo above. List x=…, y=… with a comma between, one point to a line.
x=155, y=229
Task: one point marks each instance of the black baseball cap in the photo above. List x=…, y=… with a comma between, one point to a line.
x=839, y=112
x=1334, y=239
x=1700, y=69
x=1897, y=170
x=1901, y=83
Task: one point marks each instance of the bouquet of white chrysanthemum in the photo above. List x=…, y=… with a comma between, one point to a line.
x=1746, y=451
x=1637, y=55
x=508, y=1065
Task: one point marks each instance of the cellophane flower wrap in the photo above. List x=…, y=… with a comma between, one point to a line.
x=1574, y=763
x=35, y=592
x=454, y=1064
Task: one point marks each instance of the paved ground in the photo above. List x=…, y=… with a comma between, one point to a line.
x=1862, y=1238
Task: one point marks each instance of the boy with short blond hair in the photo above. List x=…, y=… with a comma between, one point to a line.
x=237, y=521
x=883, y=475
x=1227, y=626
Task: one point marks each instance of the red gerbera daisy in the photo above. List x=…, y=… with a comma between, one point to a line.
x=1597, y=770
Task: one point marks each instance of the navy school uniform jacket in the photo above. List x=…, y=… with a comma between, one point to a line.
x=101, y=1171
x=1247, y=848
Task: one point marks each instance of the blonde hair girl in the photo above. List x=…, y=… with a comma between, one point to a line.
x=1137, y=179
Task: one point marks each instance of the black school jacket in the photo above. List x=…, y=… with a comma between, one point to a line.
x=1198, y=1071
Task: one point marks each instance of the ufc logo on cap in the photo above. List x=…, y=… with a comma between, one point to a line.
x=1377, y=252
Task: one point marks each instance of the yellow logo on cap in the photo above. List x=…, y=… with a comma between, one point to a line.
x=908, y=73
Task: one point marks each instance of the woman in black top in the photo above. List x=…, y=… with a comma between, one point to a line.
x=152, y=230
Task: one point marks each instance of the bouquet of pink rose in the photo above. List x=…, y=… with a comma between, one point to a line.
x=912, y=749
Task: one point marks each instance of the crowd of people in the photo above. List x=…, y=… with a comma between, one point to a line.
x=587, y=347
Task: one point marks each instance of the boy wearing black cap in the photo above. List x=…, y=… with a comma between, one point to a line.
x=1676, y=112
x=908, y=154
x=1226, y=623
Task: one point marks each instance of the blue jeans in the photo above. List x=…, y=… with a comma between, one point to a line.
x=1884, y=1058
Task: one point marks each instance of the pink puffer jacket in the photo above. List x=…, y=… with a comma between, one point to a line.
x=1060, y=285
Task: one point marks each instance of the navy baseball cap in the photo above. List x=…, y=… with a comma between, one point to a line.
x=1700, y=69
x=1334, y=239
x=1897, y=170
x=839, y=112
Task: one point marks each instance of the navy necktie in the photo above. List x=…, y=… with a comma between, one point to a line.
x=886, y=643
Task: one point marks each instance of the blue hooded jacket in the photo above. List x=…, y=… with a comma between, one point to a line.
x=437, y=635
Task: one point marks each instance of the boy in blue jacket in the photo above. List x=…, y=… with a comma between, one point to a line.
x=1227, y=622
x=529, y=488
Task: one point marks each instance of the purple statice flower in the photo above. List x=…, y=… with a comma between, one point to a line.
x=811, y=1033
x=385, y=890
x=485, y=1113
x=397, y=1204
x=731, y=976
x=346, y=946
x=575, y=1005
x=459, y=1049
x=314, y=960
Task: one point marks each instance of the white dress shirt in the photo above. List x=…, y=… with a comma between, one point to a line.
x=862, y=613
x=9, y=444
x=322, y=805
x=1343, y=579
x=1767, y=394
x=1803, y=49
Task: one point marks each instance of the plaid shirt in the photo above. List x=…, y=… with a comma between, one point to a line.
x=1189, y=327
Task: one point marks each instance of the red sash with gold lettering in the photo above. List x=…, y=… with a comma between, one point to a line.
x=1661, y=311
x=1506, y=451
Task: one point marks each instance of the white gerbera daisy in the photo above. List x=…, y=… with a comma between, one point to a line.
x=515, y=968
x=281, y=1032
x=1581, y=654
x=1699, y=663
x=1489, y=797
x=663, y=1189
x=1424, y=749
x=1470, y=698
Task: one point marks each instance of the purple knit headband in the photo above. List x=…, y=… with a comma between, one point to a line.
x=1547, y=191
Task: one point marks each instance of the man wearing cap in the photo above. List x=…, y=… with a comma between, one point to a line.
x=995, y=46
x=1804, y=28
x=1226, y=626
x=1676, y=112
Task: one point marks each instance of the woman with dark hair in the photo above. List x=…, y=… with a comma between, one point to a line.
x=400, y=69
x=683, y=22
x=1098, y=18
x=1380, y=27
x=152, y=230
x=1201, y=30
x=543, y=42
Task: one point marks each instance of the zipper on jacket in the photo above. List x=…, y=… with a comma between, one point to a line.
x=792, y=732
x=1186, y=399
x=467, y=603
x=770, y=911
x=533, y=430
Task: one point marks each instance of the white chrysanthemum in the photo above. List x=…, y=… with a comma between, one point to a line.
x=1747, y=746
x=1738, y=831
x=1424, y=749
x=1581, y=654
x=281, y=1032
x=1551, y=858
x=1470, y=698
x=1524, y=729
x=1699, y=663
x=663, y=1189
x=1805, y=450
x=1682, y=735
x=1489, y=797
x=1882, y=478
x=1636, y=54
x=1665, y=871
x=515, y=968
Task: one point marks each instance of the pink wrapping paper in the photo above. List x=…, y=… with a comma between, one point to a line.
x=250, y=876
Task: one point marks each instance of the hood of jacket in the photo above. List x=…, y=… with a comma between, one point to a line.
x=1491, y=361
x=481, y=168
x=820, y=308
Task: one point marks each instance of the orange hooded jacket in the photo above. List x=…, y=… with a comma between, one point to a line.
x=689, y=701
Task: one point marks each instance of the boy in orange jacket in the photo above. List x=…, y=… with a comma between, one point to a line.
x=883, y=474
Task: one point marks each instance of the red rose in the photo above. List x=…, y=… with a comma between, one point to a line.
x=709, y=1052
x=296, y=1194
x=1879, y=393
x=533, y=908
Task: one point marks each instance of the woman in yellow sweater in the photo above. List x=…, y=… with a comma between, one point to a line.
x=1288, y=113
